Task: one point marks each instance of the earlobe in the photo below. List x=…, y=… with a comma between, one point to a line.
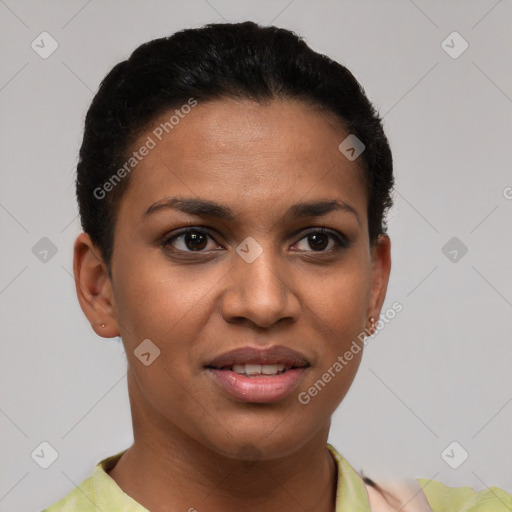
x=381, y=268
x=94, y=288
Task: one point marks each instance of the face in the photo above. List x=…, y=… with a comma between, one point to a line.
x=241, y=252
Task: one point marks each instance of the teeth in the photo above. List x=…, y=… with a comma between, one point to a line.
x=253, y=369
x=239, y=368
x=271, y=369
x=258, y=369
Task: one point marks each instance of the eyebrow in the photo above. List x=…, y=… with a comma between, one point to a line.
x=207, y=208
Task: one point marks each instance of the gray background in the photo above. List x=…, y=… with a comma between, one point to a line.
x=439, y=372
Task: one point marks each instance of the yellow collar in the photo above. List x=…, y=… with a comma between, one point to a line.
x=350, y=494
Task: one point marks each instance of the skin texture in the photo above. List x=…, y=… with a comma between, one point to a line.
x=194, y=445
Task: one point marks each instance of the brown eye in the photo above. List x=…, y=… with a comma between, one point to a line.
x=322, y=240
x=195, y=241
x=318, y=241
x=191, y=240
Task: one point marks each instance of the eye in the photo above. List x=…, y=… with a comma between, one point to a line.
x=190, y=240
x=323, y=240
x=196, y=240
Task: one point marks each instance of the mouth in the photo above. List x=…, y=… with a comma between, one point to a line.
x=258, y=375
x=257, y=370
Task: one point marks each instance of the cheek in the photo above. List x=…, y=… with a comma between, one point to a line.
x=157, y=301
x=170, y=307
x=342, y=299
x=340, y=309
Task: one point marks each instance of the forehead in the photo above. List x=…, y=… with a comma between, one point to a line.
x=241, y=151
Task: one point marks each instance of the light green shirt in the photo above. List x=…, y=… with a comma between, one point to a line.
x=101, y=493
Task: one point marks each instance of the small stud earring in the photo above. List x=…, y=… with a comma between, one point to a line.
x=102, y=325
x=372, y=320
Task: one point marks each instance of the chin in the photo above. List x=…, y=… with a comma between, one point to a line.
x=262, y=438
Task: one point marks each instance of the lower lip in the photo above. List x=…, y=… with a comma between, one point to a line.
x=258, y=389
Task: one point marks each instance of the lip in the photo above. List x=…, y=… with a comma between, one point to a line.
x=250, y=355
x=259, y=388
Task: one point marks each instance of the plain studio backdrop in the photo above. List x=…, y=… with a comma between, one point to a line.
x=433, y=396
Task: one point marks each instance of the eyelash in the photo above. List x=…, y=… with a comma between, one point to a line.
x=340, y=240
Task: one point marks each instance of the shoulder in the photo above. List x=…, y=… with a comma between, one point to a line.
x=97, y=493
x=83, y=497
x=420, y=495
x=390, y=497
x=80, y=499
x=442, y=498
x=425, y=495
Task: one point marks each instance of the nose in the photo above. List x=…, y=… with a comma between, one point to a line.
x=261, y=292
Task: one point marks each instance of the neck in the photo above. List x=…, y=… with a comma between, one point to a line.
x=165, y=469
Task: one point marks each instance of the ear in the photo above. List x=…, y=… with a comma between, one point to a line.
x=381, y=268
x=94, y=287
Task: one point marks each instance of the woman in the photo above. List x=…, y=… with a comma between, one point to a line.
x=232, y=187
